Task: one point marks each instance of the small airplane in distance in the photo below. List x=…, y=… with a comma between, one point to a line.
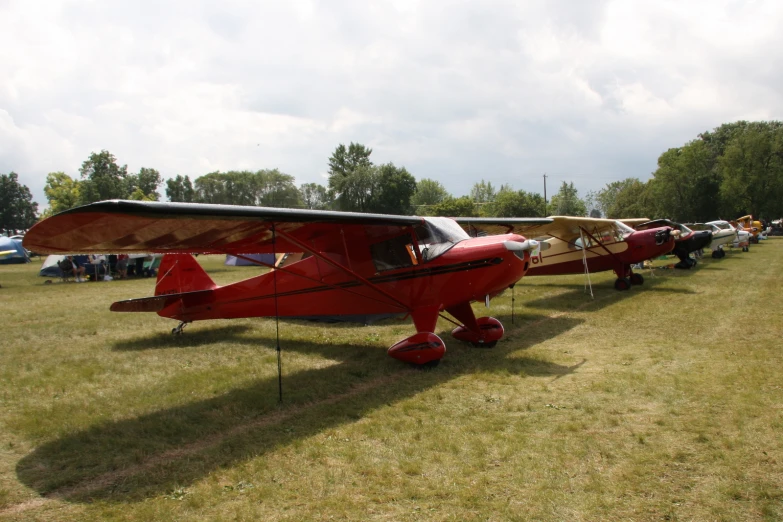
x=687, y=241
x=583, y=245
x=360, y=266
x=720, y=237
x=743, y=236
x=749, y=224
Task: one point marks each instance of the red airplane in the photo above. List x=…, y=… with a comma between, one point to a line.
x=583, y=245
x=360, y=266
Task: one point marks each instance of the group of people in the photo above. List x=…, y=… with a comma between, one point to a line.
x=76, y=267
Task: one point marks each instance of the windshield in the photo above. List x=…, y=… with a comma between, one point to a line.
x=623, y=229
x=437, y=235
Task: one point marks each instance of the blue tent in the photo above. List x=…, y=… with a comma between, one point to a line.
x=14, y=252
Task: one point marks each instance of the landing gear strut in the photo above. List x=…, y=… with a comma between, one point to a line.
x=179, y=328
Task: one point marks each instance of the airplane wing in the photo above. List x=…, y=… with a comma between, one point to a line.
x=143, y=226
x=561, y=227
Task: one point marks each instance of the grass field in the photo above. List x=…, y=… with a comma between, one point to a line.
x=660, y=403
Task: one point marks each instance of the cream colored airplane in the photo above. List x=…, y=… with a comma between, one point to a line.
x=574, y=245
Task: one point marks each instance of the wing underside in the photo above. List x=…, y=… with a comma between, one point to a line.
x=134, y=226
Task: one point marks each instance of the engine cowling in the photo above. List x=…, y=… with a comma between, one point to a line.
x=422, y=348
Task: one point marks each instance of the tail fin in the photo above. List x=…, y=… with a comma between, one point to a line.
x=180, y=273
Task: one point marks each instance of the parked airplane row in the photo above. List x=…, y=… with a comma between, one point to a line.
x=360, y=267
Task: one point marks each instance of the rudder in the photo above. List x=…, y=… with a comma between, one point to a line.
x=181, y=273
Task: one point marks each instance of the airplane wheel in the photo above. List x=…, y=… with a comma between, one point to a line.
x=716, y=254
x=622, y=283
x=637, y=279
x=490, y=344
x=176, y=331
x=745, y=249
x=722, y=254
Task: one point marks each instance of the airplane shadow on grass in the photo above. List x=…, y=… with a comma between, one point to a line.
x=132, y=459
x=605, y=294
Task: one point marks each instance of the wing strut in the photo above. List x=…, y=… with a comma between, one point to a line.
x=584, y=262
x=277, y=324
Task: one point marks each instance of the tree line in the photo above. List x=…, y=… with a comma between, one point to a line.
x=735, y=169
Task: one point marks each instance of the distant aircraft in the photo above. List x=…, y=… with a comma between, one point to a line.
x=360, y=266
x=743, y=236
x=583, y=245
x=753, y=226
x=686, y=242
x=720, y=237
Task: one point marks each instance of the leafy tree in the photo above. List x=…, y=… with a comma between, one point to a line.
x=180, y=189
x=751, y=168
x=102, y=178
x=454, y=207
x=270, y=188
x=360, y=186
x=685, y=187
x=351, y=177
x=483, y=192
x=395, y=187
x=566, y=202
x=632, y=201
x=355, y=190
x=61, y=191
x=17, y=208
x=345, y=160
x=509, y=203
x=144, y=185
x=316, y=197
x=428, y=192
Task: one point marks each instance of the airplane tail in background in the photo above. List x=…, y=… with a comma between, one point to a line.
x=181, y=273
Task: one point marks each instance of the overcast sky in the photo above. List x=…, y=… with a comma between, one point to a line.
x=587, y=91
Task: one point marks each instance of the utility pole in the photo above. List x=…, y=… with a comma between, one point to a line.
x=545, y=194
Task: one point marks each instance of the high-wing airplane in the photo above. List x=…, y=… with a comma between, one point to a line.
x=583, y=245
x=360, y=266
x=720, y=237
x=754, y=227
x=687, y=241
x=743, y=236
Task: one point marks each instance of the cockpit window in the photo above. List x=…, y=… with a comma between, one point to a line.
x=397, y=252
x=437, y=235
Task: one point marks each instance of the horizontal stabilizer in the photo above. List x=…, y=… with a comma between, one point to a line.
x=159, y=302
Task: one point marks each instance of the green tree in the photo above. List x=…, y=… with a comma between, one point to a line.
x=632, y=201
x=352, y=178
x=17, y=208
x=269, y=188
x=454, y=207
x=144, y=185
x=567, y=203
x=316, y=197
x=180, y=189
x=751, y=169
x=509, y=203
x=345, y=160
x=61, y=191
x=483, y=192
x=394, y=188
x=685, y=187
x=428, y=192
x=102, y=178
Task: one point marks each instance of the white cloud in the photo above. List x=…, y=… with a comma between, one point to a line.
x=589, y=92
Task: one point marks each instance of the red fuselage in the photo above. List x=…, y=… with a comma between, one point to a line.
x=322, y=287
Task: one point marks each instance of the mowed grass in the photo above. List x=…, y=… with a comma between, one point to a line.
x=660, y=403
